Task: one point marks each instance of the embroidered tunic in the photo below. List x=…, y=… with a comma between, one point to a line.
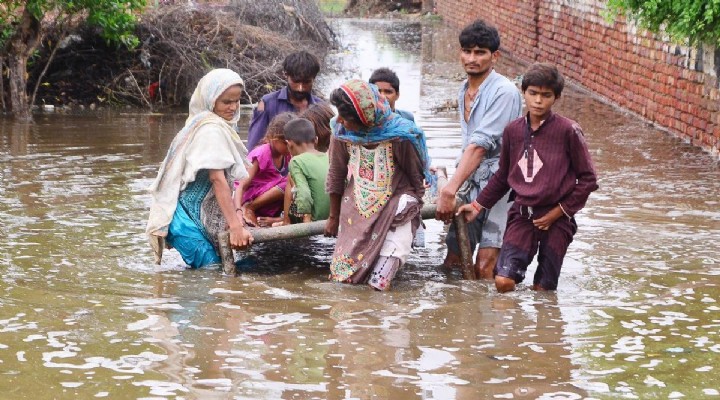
x=376, y=180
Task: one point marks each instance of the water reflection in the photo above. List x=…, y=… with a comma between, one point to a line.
x=84, y=313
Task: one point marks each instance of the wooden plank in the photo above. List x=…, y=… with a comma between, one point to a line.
x=226, y=254
x=466, y=252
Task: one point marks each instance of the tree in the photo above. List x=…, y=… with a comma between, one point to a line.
x=22, y=28
x=695, y=21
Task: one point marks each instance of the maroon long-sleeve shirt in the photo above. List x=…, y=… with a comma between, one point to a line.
x=545, y=167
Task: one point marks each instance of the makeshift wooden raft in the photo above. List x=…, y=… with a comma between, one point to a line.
x=307, y=229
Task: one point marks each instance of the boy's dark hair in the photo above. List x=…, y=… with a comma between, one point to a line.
x=276, y=126
x=300, y=130
x=320, y=115
x=544, y=75
x=385, y=75
x=481, y=35
x=345, y=107
x=301, y=65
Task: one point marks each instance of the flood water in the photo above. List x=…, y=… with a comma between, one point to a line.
x=84, y=312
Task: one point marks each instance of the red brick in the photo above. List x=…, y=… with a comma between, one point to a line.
x=638, y=74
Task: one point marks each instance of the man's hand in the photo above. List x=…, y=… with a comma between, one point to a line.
x=470, y=211
x=331, y=226
x=471, y=158
x=543, y=223
x=445, y=205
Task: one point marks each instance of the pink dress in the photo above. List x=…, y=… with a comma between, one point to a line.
x=267, y=177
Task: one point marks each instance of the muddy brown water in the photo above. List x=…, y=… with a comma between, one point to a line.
x=84, y=313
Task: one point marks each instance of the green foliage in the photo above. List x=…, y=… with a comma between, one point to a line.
x=697, y=21
x=332, y=7
x=7, y=18
x=116, y=18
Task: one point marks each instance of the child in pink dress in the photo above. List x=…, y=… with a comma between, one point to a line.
x=263, y=191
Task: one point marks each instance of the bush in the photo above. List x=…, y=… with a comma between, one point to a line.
x=696, y=21
x=178, y=45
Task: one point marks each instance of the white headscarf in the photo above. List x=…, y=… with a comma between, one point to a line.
x=209, y=88
x=221, y=148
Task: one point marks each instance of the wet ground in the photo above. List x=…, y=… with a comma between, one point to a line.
x=84, y=313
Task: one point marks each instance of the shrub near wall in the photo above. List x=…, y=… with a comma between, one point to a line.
x=673, y=86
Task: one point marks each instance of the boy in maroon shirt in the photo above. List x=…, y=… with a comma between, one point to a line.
x=546, y=163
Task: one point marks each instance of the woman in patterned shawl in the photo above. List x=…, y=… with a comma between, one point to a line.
x=377, y=165
x=192, y=196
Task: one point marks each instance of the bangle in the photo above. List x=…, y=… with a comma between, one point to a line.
x=238, y=209
x=476, y=206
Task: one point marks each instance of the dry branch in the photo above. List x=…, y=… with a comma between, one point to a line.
x=187, y=42
x=180, y=44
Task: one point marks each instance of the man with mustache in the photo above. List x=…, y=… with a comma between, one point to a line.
x=487, y=102
x=300, y=69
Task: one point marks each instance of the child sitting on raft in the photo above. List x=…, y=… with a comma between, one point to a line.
x=263, y=192
x=305, y=197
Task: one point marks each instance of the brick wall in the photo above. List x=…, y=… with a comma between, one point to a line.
x=673, y=86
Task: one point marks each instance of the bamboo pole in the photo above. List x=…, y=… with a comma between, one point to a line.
x=296, y=231
x=286, y=232
x=265, y=235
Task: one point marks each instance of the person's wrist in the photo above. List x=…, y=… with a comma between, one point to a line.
x=452, y=186
x=447, y=193
x=238, y=221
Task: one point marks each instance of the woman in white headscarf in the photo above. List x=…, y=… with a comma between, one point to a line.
x=192, y=195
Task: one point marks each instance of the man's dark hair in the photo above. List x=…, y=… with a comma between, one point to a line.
x=385, y=75
x=481, y=35
x=345, y=106
x=544, y=75
x=301, y=65
x=300, y=130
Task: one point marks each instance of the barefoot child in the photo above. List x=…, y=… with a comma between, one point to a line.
x=305, y=195
x=546, y=163
x=262, y=193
